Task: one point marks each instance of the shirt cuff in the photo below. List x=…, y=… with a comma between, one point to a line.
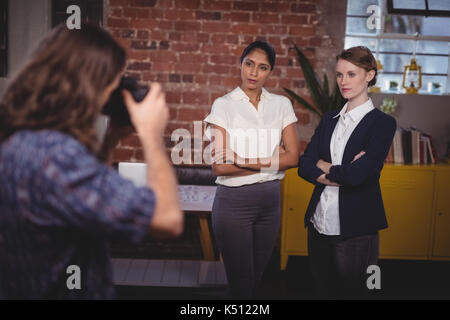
x=332, y=175
x=316, y=173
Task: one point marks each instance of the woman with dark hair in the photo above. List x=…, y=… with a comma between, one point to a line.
x=58, y=204
x=247, y=127
x=343, y=160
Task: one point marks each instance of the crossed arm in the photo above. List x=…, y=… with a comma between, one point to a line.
x=325, y=167
x=227, y=163
x=365, y=164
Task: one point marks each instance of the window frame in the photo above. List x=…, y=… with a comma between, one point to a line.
x=4, y=21
x=417, y=12
x=381, y=35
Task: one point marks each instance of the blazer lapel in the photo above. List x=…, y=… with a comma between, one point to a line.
x=327, y=138
x=357, y=135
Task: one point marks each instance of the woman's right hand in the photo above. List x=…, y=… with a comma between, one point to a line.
x=359, y=155
x=150, y=116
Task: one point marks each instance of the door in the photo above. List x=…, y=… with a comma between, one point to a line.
x=298, y=194
x=441, y=246
x=408, y=201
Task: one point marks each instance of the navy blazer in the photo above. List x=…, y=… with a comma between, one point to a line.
x=361, y=209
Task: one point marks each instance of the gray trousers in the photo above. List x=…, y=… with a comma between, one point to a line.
x=245, y=224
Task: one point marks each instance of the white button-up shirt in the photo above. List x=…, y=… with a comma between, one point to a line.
x=254, y=133
x=326, y=216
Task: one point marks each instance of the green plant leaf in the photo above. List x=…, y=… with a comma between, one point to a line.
x=310, y=77
x=323, y=99
x=326, y=90
x=303, y=101
x=327, y=99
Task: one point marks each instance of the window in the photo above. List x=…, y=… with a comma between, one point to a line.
x=394, y=40
x=91, y=10
x=419, y=7
x=3, y=38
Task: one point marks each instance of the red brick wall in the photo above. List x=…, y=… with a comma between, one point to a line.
x=193, y=47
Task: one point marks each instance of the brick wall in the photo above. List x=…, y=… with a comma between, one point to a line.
x=193, y=47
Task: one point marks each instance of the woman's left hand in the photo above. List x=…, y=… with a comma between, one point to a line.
x=324, y=166
x=359, y=155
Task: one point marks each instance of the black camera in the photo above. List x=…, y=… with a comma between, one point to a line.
x=115, y=108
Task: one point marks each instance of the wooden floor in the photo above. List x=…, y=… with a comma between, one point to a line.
x=401, y=279
x=169, y=273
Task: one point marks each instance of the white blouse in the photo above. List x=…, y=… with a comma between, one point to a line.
x=254, y=133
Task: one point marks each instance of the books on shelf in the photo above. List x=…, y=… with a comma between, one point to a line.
x=423, y=146
x=407, y=146
x=397, y=147
x=411, y=146
x=415, y=146
x=431, y=153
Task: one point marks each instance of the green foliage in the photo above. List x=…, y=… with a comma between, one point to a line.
x=388, y=105
x=323, y=99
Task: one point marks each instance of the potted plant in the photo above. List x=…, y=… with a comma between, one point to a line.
x=323, y=99
x=393, y=86
x=436, y=87
x=388, y=106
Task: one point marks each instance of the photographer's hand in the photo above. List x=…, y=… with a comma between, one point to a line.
x=149, y=116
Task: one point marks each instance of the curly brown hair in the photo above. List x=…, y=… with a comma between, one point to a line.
x=61, y=86
x=362, y=57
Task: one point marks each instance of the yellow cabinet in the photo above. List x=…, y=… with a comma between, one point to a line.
x=417, y=204
x=441, y=241
x=296, y=194
x=408, y=200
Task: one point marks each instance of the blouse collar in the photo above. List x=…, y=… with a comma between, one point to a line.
x=239, y=94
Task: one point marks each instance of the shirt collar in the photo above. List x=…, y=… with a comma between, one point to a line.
x=357, y=113
x=239, y=94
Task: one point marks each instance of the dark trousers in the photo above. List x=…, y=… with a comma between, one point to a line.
x=339, y=264
x=245, y=224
